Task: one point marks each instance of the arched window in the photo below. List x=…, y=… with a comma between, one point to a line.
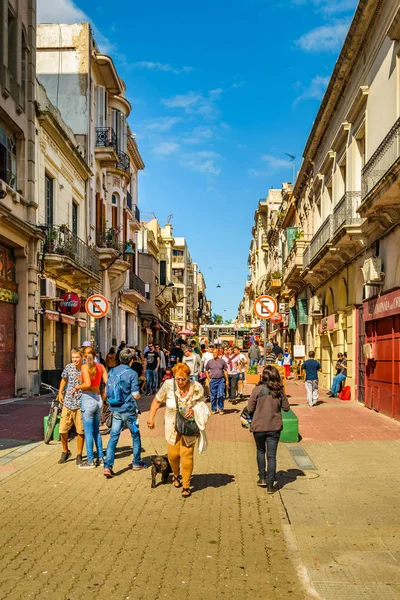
x=12, y=49
x=114, y=200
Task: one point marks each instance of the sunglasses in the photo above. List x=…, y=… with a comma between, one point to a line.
x=181, y=378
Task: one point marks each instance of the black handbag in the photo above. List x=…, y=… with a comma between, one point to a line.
x=184, y=426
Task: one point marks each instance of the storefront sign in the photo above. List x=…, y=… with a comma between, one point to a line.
x=70, y=304
x=67, y=320
x=327, y=324
x=299, y=351
x=384, y=306
x=277, y=318
x=8, y=296
x=52, y=315
x=291, y=234
x=292, y=318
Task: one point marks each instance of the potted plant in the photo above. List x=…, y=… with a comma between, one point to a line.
x=252, y=375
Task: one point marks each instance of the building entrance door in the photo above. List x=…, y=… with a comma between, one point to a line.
x=7, y=349
x=360, y=357
x=59, y=358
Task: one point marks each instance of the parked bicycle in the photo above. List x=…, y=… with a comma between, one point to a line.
x=55, y=410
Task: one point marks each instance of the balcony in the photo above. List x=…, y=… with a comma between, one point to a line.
x=106, y=147
x=179, y=259
x=65, y=255
x=108, y=247
x=134, y=288
x=109, y=239
x=123, y=163
x=319, y=243
x=293, y=266
x=345, y=219
x=379, y=180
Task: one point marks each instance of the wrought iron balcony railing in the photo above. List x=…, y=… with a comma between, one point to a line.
x=345, y=212
x=320, y=239
x=105, y=137
x=62, y=241
x=109, y=239
x=129, y=200
x=133, y=207
x=123, y=162
x=384, y=157
x=137, y=284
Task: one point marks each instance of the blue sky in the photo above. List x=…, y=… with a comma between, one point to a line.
x=220, y=90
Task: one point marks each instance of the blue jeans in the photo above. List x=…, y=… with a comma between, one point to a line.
x=337, y=380
x=118, y=421
x=151, y=381
x=267, y=442
x=217, y=389
x=253, y=361
x=91, y=405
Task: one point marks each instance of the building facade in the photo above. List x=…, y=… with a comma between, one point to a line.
x=84, y=85
x=19, y=237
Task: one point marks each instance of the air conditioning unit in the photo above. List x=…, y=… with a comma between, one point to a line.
x=372, y=270
x=48, y=289
x=315, y=305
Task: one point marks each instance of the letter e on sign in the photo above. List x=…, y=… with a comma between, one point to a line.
x=97, y=306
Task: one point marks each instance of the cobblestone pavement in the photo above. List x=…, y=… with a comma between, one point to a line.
x=72, y=534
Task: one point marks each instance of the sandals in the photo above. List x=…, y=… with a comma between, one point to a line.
x=186, y=492
x=177, y=479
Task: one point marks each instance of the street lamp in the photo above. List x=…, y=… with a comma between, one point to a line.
x=128, y=250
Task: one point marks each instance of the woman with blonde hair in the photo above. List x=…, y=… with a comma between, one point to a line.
x=91, y=404
x=187, y=397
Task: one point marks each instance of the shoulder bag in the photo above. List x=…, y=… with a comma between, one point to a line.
x=184, y=426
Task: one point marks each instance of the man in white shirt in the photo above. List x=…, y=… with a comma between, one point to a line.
x=208, y=355
x=242, y=369
x=193, y=361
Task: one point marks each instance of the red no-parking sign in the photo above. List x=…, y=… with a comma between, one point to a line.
x=97, y=306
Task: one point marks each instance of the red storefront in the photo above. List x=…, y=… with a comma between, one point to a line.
x=382, y=353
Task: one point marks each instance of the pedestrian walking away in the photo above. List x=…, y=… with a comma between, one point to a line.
x=111, y=359
x=217, y=377
x=151, y=366
x=265, y=405
x=254, y=354
x=187, y=397
x=123, y=387
x=310, y=368
x=91, y=405
x=71, y=412
x=176, y=354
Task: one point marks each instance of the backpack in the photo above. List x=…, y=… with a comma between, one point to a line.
x=113, y=388
x=345, y=394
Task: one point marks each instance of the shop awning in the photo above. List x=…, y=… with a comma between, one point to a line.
x=81, y=322
x=52, y=315
x=163, y=328
x=67, y=320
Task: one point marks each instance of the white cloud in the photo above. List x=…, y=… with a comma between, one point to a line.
x=327, y=7
x=163, y=124
x=157, y=66
x=65, y=11
x=198, y=135
x=272, y=165
x=196, y=103
x=166, y=148
x=238, y=84
x=326, y=38
x=203, y=162
x=315, y=90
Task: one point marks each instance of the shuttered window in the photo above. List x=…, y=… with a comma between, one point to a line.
x=101, y=109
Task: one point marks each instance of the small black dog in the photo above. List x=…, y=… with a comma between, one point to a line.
x=160, y=464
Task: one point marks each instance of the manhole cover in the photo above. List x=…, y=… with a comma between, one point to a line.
x=301, y=458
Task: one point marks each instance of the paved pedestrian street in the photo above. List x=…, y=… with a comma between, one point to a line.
x=71, y=534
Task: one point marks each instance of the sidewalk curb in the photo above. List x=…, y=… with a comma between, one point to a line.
x=8, y=464
x=294, y=552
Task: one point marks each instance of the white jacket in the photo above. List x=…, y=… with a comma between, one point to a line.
x=201, y=415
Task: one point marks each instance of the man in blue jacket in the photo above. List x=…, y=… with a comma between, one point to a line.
x=125, y=413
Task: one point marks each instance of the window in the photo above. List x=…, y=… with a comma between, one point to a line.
x=12, y=50
x=24, y=67
x=120, y=129
x=8, y=159
x=114, y=199
x=74, y=218
x=49, y=200
x=163, y=272
x=101, y=107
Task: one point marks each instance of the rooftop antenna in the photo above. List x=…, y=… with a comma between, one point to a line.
x=169, y=218
x=293, y=161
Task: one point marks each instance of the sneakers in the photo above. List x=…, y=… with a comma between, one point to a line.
x=99, y=462
x=262, y=482
x=64, y=457
x=270, y=489
x=78, y=460
x=109, y=473
x=139, y=467
x=87, y=464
